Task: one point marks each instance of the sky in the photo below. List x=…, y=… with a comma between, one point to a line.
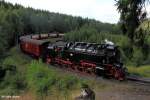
x=102, y=10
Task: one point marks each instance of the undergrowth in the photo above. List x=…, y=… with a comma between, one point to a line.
x=44, y=80
x=143, y=71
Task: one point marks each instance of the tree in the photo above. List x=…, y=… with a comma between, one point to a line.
x=132, y=15
x=16, y=20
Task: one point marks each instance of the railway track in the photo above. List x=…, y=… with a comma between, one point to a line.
x=129, y=78
x=138, y=79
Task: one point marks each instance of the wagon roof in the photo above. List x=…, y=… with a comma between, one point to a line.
x=29, y=40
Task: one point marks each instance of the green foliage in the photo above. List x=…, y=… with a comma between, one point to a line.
x=38, y=76
x=90, y=34
x=138, y=56
x=131, y=17
x=15, y=20
x=148, y=40
x=14, y=57
x=148, y=59
x=42, y=79
x=143, y=71
x=13, y=81
x=66, y=83
x=13, y=69
x=80, y=35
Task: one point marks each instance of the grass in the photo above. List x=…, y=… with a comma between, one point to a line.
x=47, y=81
x=143, y=71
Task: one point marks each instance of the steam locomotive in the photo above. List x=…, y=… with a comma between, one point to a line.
x=99, y=59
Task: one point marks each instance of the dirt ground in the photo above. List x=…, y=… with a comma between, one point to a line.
x=106, y=89
x=110, y=89
x=124, y=91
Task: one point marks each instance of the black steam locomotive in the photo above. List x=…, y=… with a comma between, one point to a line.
x=100, y=59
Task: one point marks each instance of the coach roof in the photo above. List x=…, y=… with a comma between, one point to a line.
x=33, y=41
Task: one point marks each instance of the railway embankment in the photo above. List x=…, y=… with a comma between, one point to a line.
x=32, y=79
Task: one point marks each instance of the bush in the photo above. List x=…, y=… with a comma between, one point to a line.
x=147, y=61
x=143, y=71
x=38, y=76
x=66, y=83
x=13, y=71
x=137, y=56
x=13, y=81
x=42, y=79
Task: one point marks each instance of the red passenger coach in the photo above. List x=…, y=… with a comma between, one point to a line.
x=32, y=47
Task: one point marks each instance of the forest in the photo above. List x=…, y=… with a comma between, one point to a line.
x=16, y=20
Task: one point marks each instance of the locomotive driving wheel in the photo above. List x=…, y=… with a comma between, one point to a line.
x=113, y=72
x=118, y=74
x=48, y=60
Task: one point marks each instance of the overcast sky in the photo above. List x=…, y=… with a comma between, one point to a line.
x=102, y=10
